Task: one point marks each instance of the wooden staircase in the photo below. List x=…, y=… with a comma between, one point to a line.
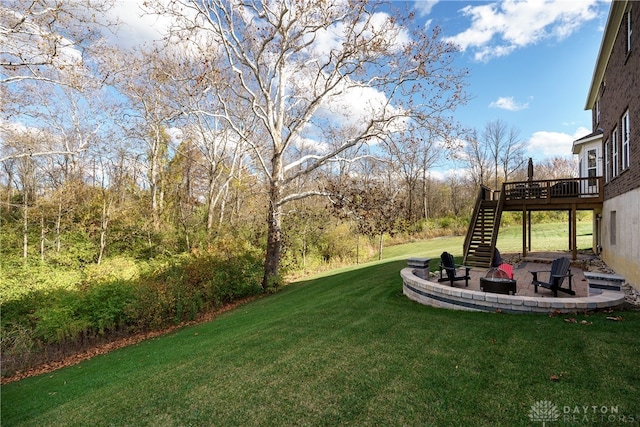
x=482, y=234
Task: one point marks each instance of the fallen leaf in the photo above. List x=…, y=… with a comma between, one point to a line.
x=616, y=318
x=571, y=320
x=554, y=378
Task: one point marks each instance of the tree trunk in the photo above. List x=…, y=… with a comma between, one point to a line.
x=274, y=241
x=223, y=204
x=58, y=225
x=424, y=194
x=43, y=236
x=104, y=226
x=155, y=215
x=211, y=197
x=25, y=230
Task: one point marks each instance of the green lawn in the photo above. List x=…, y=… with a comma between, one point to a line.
x=347, y=348
x=544, y=237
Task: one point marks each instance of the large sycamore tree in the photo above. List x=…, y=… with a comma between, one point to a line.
x=320, y=77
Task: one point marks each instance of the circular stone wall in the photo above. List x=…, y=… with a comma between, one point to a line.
x=444, y=296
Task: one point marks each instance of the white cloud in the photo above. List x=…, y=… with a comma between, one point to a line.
x=137, y=25
x=499, y=28
x=580, y=132
x=508, y=103
x=552, y=144
x=424, y=6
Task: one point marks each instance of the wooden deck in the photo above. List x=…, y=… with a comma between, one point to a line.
x=568, y=194
x=553, y=194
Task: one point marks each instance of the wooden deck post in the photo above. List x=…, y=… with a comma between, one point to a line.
x=529, y=235
x=570, y=234
x=574, y=234
x=524, y=231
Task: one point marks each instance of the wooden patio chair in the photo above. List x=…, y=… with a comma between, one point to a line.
x=560, y=269
x=448, y=265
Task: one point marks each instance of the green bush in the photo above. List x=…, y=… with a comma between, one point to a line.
x=116, y=268
x=20, y=281
x=60, y=321
x=338, y=243
x=105, y=305
x=124, y=297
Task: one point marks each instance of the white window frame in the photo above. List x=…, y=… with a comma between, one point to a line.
x=629, y=31
x=607, y=162
x=614, y=157
x=625, y=140
x=598, y=111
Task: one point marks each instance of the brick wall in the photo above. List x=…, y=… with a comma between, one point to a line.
x=621, y=91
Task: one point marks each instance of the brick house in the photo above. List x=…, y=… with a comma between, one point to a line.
x=612, y=150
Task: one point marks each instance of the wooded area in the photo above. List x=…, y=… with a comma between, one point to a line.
x=143, y=186
x=240, y=123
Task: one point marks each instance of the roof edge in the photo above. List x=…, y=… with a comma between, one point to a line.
x=593, y=136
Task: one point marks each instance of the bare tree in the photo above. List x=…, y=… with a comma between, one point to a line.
x=45, y=40
x=413, y=154
x=476, y=157
x=295, y=64
x=145, y=78
x=48, y=52
x=505, y=148
x=557, y=167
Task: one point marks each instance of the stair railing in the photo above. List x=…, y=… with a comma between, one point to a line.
x=483, y=194
x=496, y=224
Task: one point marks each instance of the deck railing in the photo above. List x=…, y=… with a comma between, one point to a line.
x=553, y=189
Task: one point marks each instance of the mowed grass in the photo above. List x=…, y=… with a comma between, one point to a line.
x=544, y=237
x=347, y=348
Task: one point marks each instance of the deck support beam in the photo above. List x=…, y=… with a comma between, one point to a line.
x=574, y=233
x=524, y=231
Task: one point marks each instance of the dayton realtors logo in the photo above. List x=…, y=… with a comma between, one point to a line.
x=545, y=411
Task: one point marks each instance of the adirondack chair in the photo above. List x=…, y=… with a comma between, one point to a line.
x=560, y=269
x=448, y=265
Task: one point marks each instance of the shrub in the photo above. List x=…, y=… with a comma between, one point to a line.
x=121, y=296
x=59, y=324
x=117, y=268
x=105, y=305
x=338, y=243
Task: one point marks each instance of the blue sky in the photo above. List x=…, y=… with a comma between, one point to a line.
x=530, y=62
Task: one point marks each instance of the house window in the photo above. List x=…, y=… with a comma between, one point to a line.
x=612, y=226
x=591, y=167
x=614, y=153
x=625, y=140
x=607, y=162
x=598, y=111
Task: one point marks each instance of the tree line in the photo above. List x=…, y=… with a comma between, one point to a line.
x=285, y=125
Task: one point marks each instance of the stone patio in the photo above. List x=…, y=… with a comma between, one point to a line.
x=429, y=291
x=522, y=276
